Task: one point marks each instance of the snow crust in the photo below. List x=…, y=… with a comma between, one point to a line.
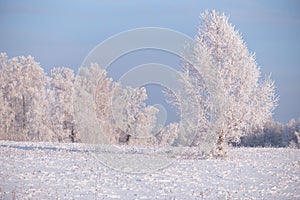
x=70, y=171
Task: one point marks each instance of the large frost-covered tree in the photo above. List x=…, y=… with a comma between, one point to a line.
x=224, y=76
x=23, y=98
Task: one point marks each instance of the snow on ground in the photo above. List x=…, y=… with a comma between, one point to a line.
x=69, y=171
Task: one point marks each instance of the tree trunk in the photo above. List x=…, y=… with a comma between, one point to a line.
x=24, y=113
x=220, y=142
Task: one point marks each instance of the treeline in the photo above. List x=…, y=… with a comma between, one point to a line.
x=35, y=106
x=275, y=134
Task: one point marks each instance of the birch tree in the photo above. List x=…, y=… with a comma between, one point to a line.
x=226, y=80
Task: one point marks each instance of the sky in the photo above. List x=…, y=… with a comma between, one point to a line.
x=62, y=33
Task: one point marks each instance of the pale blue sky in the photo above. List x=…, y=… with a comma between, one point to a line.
x=61, y=33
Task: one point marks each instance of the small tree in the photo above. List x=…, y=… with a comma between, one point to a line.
x=103, y=104
x=61, y=103
x=85, y=103
x=168, y=135
x=131, y=114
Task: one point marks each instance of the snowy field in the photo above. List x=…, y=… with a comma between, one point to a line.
x=70, y=171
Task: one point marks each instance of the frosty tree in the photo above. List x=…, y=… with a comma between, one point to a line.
x=24, y=104
x=133, y=116
x=61, y=102
x=168, y=135
x=103, y=104
x=84, y=103
x=121, y=113
x=226, y=80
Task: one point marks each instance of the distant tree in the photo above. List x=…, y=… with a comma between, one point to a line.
x=103, y=106
x=291, y=136
x=226, y=80
x=61, y=104
x=121, y=113
x=274, y=134
x=23, y=87
x=85, y=105
x=133, y=116
x=3, y=108
x=168, y=135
